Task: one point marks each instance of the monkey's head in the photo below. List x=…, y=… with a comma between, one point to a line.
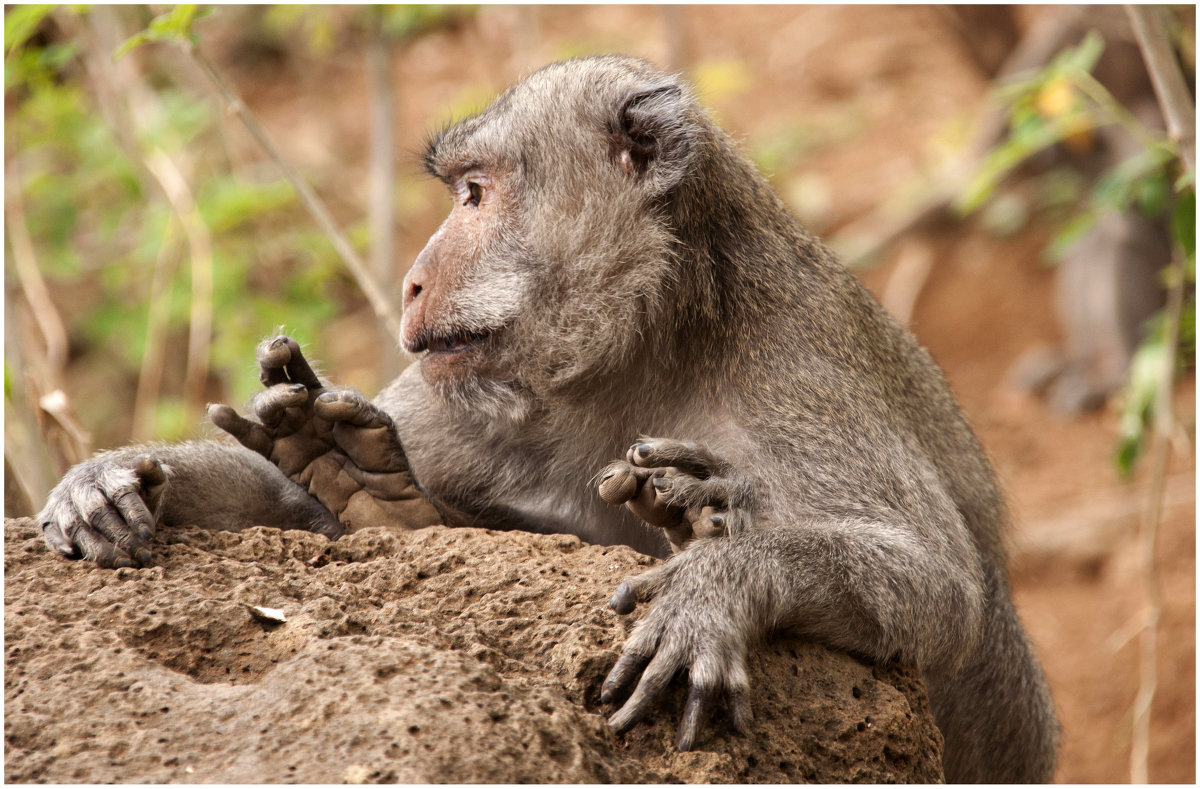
x=557, y=257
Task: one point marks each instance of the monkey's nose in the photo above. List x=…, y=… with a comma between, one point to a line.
x=412, y=289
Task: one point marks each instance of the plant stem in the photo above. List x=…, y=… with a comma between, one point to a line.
x=1169, y=86
x=1178, y=111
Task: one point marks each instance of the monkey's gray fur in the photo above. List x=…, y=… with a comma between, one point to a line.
x=614, y=268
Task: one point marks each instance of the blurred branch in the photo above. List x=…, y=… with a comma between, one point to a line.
x=866, y=236
x=33, y=286
x=54, y=418
x=174, y=185
x=1179, y=112
x=380, y=303
x=381, y=211
x=1148, y=537
x=154, y=358
x=1169, y=85
x=131, y=106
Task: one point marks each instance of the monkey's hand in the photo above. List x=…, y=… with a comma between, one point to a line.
x=334, y=443
x=105, y=510
x=709, y=602
x=679, y=487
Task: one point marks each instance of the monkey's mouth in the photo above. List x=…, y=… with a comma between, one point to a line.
x=449, y=343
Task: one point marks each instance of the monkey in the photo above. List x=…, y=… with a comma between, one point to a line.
x=623, y=334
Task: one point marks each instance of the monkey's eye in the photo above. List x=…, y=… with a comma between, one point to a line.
x=474, y=194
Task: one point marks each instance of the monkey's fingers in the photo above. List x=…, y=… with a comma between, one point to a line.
x=703, y=688
x=687, y=456
x=56, y=538
x=134, y=529
x=271, y=405
x=626, y=671
x=740, y=711
x=95, y=546
x=363, y=431
x=699, y=698
x=638, y=589
x=120, y=543
x=654, y=679
x=151, y=478
x=96, y=528
x=620, y=482
x=652, y=505
x=249, y=434
x=280, y=361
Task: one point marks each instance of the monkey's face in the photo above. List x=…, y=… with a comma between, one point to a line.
x=551, y=267
x=469, y=285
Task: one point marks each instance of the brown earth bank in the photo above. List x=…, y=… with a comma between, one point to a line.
x=443, y=655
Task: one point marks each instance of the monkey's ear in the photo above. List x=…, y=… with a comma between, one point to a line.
x=652, y=139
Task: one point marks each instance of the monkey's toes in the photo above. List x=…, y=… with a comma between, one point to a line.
x=281, y=361
x=349, y=405
x=620, y=482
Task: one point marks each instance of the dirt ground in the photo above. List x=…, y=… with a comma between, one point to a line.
x=432, y=656
x=877, y=87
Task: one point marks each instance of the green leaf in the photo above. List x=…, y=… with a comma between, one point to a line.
x=1151, y=194
x=1069, y=234
x=131, y=43
x=1081, y=58
x=1145, y=378
x=1183, y=223
x=175, y=25
x=21, y=22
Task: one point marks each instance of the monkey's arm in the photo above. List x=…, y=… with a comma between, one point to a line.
x=868, y=588
x=107, y=508
x=335, y=444
x=871, y=581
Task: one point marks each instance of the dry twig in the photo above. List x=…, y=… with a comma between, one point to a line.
x=1169, y=85
x=1177, y=109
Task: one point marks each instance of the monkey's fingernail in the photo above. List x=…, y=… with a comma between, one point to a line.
x=328, y=397
x=642, y=450
x=662, y=484
x=124, y=561
x=145, y=533
x=606, y=697
x=296, y=388
x=145, y=558
x=716, y=520
x=608, y=476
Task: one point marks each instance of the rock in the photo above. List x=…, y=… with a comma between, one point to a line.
x=442, y=655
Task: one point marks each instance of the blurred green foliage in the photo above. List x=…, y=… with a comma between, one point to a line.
x=1064, y=104
x=100, y=224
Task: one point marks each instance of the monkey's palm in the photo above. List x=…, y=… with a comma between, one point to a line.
x=334, y=443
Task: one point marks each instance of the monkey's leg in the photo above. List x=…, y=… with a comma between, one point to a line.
x=336, y=444
x=680, y=487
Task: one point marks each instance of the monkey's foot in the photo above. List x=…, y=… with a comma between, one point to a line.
x=679, y=487
x=334, y=443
